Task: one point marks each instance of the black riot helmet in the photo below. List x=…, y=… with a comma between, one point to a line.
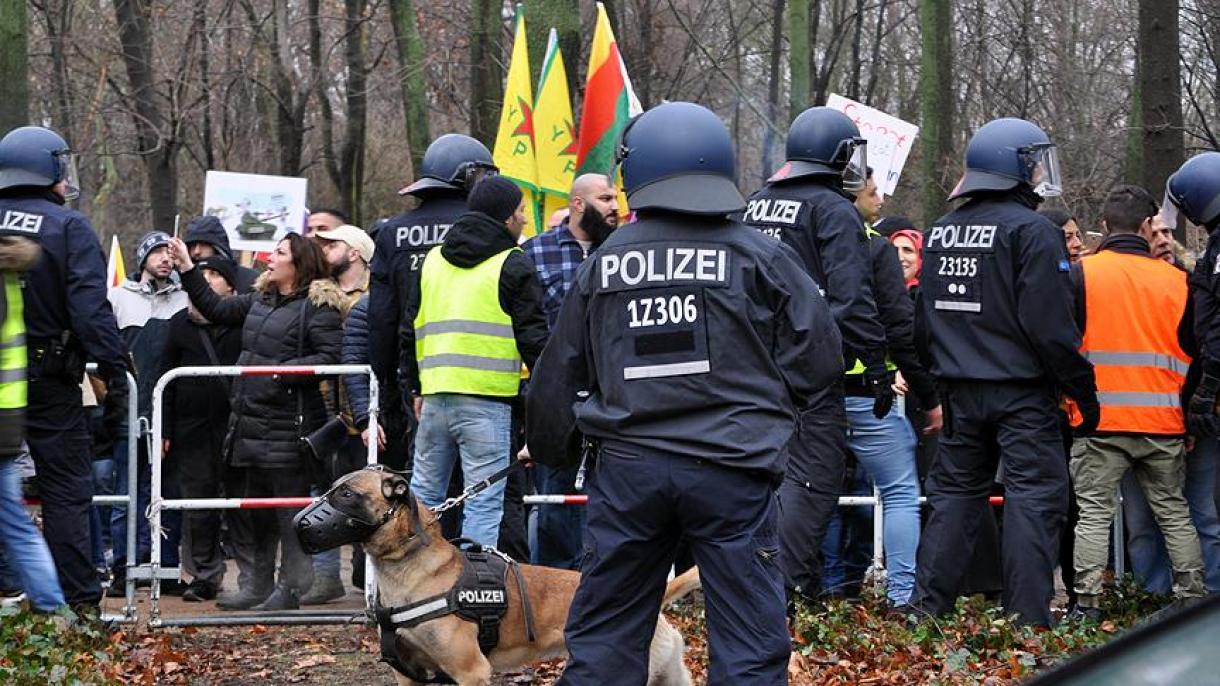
x=1007, y=153
x=453, y=162
x=825, y=142
x=1194, y=189
x=39, y=158
x=679, y=156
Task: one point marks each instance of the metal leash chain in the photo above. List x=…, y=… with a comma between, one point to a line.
x=476, y=489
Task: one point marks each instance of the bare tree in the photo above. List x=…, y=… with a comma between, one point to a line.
x=936, y=98
x=411, y=79
x=14, y=64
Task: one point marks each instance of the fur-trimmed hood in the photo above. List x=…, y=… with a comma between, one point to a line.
x=322, y=292
x=18, y=254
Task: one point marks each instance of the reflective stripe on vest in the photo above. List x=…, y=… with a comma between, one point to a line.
x=13, y=361
x=1133, y=305
x=858, y=368
x=463, y=339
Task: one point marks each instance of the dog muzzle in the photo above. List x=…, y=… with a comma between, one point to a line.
x=322, y=526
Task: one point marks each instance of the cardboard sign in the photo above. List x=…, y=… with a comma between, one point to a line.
x=256, y=210
x=889, y=140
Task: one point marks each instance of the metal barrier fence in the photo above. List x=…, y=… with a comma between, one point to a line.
x=875, y=501
x=157, y=503
x=135, y=427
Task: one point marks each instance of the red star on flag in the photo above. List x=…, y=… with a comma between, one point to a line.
x=526, y=128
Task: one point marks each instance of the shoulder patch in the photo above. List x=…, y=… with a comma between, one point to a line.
x=1064, y=265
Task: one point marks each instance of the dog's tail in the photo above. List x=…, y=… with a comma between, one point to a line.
x=682, y=585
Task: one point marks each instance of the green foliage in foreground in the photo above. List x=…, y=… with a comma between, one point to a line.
x=59, y=648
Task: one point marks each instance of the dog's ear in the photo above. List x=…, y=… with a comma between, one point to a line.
x=395, y=488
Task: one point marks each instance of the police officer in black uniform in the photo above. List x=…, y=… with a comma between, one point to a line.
x=68, y=320
x=1194, y=191
x=996, y=320
x=451, y=165
x=683, y=351
x=807, y=204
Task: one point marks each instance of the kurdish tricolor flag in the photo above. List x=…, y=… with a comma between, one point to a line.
x=610, y=103
x=554, y=135
x=514, y=149
x=116, y=271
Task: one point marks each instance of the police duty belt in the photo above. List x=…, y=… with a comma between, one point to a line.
x=480, y=596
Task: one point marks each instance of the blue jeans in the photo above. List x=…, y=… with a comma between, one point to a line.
x=1145, y=545
x=171, y=520
x=561, y=528
x=25, y=550
x=478, y=432
x=885, y=449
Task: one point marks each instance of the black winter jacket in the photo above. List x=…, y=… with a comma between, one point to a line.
x=474, y=238
x=271, y=414
x=195, y=406
x=208, y=229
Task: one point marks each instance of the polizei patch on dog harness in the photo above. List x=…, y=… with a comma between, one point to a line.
x=480, y=596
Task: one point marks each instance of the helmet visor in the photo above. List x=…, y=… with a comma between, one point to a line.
x=68, y=174
x=1169, y=211
x=855, y=174
x=470, y=173
x=1042, y=169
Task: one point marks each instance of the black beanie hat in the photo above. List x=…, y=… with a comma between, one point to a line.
x=496, y=197
x=226, y=268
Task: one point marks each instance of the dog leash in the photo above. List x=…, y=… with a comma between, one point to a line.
x=476, y=489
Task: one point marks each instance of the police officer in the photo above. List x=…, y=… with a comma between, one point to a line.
x=450, y=167
x=68, y=320
x=683, y=349
x=1194, y=191
x=807, y=204
x=995, y=302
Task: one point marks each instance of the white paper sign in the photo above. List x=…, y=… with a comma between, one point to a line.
x=256, y=210
x=889, y=139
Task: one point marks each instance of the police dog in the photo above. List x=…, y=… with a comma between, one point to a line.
x=411, y=567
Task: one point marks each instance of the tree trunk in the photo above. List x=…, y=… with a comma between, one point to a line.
x=564, y=16
x=199, y=24
x=351, y=160
x=1160, y=90
x=774, y=75
x=798, y=57
x=158, y=147
x=486, y=69
x=412, y=79
x=14, y=64
x=936, y=104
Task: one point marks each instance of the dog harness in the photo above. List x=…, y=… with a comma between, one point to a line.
x=480, y=596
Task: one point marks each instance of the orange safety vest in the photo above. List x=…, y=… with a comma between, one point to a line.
x=1133, y=305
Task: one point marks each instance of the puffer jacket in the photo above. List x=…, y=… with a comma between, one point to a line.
x=356, y=351
x=271, y=414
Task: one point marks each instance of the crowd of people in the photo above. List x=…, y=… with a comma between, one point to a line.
x=624, y=349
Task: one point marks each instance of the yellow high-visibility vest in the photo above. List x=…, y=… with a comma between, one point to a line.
x=463, y=339
x=13, y=361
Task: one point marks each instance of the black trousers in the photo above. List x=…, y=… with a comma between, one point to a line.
x=809, y=494
x=641, y=503
x=200, y=473
x=257, y=534
x=984, y=422
x=58, y=439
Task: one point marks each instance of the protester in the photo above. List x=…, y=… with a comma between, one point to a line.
x=348, y=251
x=1071, y=231
x=206, y=237
x=195, y=416
x=291, y=318
x=1131, y=306
x=324, y=219
x=909, y=243
x=25, y=552
x=143, y=306
x=470, y=350
x=556, y=254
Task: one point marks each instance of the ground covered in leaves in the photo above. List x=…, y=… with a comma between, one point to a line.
x=836, y=643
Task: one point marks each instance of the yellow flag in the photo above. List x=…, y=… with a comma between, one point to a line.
x=116, y=271
x=514, y=149
x=555, y=136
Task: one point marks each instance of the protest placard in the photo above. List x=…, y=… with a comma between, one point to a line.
x=256, y=210
x=889, y=139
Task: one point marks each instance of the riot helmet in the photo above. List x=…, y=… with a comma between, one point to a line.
x=1194, y=190
x=453, y=162
x=37, y=157
x=825, y=142
x=1006, y=153
x=678, y=156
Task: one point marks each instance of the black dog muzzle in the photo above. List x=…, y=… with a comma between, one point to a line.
x=337, y=518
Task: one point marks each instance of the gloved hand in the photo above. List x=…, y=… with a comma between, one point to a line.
x=114, y=415
x=1090, y=414
x=878, y=379
x=1201, y=412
